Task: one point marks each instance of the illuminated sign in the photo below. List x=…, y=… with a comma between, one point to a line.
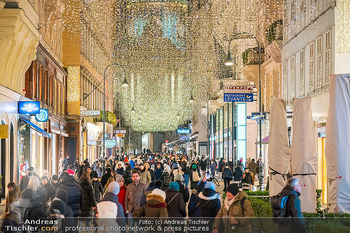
x=183, y=131
x=238, y=97
x=110, y=143
x=43, y=116
x=29, y=107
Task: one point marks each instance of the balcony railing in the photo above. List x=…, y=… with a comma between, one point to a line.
x=251, y=56
x=275, y=31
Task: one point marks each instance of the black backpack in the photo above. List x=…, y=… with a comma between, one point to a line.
x=167, y=179
x=279, y=207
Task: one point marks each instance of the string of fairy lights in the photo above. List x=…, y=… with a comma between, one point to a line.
x=167, y=48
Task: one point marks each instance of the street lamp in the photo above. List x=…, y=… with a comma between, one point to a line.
x=85, y=96
x=229, y=62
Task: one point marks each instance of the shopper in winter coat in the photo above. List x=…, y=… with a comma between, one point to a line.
x=33, y=196
x=120, y=169
x=151, y=172
x=238, y=174
x=187, y=171
x=175, y=171
x=106, y=176
x=134, y=192
x=213, y=167
x=109, y=205
x=233, y=209
x=145, y=175
x=182, y=188
x=195, y=175
x=63, y=196
x=127, y=175
x=89, y=200
x=209, y=201
x=158, y=171
x=293, y=208
x=13, y=196
x=122, y=192
x=227, y=175
x=174, y=200
x=97, y=187
x=75, y=193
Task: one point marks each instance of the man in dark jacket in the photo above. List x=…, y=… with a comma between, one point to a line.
x=293, y=209
x=120, y=169
x=182, y=188
x=75, y=194
x=203, y=165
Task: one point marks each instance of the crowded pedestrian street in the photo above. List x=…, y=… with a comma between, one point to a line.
x=143, y=116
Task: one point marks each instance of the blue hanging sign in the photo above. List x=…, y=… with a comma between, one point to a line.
x=29, y=107
x=238, y=97
x=43, y=116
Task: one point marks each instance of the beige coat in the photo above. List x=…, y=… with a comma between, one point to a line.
x=235, y=210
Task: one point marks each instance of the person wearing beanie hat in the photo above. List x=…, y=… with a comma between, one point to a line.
x=70, y=172
x=237, y=207
x=175, y=203
x=209, y=200
x=54, y=181
x=155, y=207
x=114, y=188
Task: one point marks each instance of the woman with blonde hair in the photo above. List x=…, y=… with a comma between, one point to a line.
x=110, y=180
x=33, y=196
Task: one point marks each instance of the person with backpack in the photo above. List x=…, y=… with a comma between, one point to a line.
x=209, y=200
x=236, y=205
x=166, y=179
x=227, y=175
x=195, y=175
x=287, y=204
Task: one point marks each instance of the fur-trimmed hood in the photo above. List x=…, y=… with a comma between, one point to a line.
x=154, y=200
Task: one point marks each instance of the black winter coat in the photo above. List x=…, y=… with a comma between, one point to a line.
x=203, y=165
x=227, y=173
x=176, y=207
x=120, y=171
x=98, y=189
x=184, y=191
x=237, y=174
x=88, y=197
x=209, y=202
x=127, y=176
x=105, y=178
x=75, y=193
x=296, y=224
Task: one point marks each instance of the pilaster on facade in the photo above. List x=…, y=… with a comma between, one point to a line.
x=18, y=42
